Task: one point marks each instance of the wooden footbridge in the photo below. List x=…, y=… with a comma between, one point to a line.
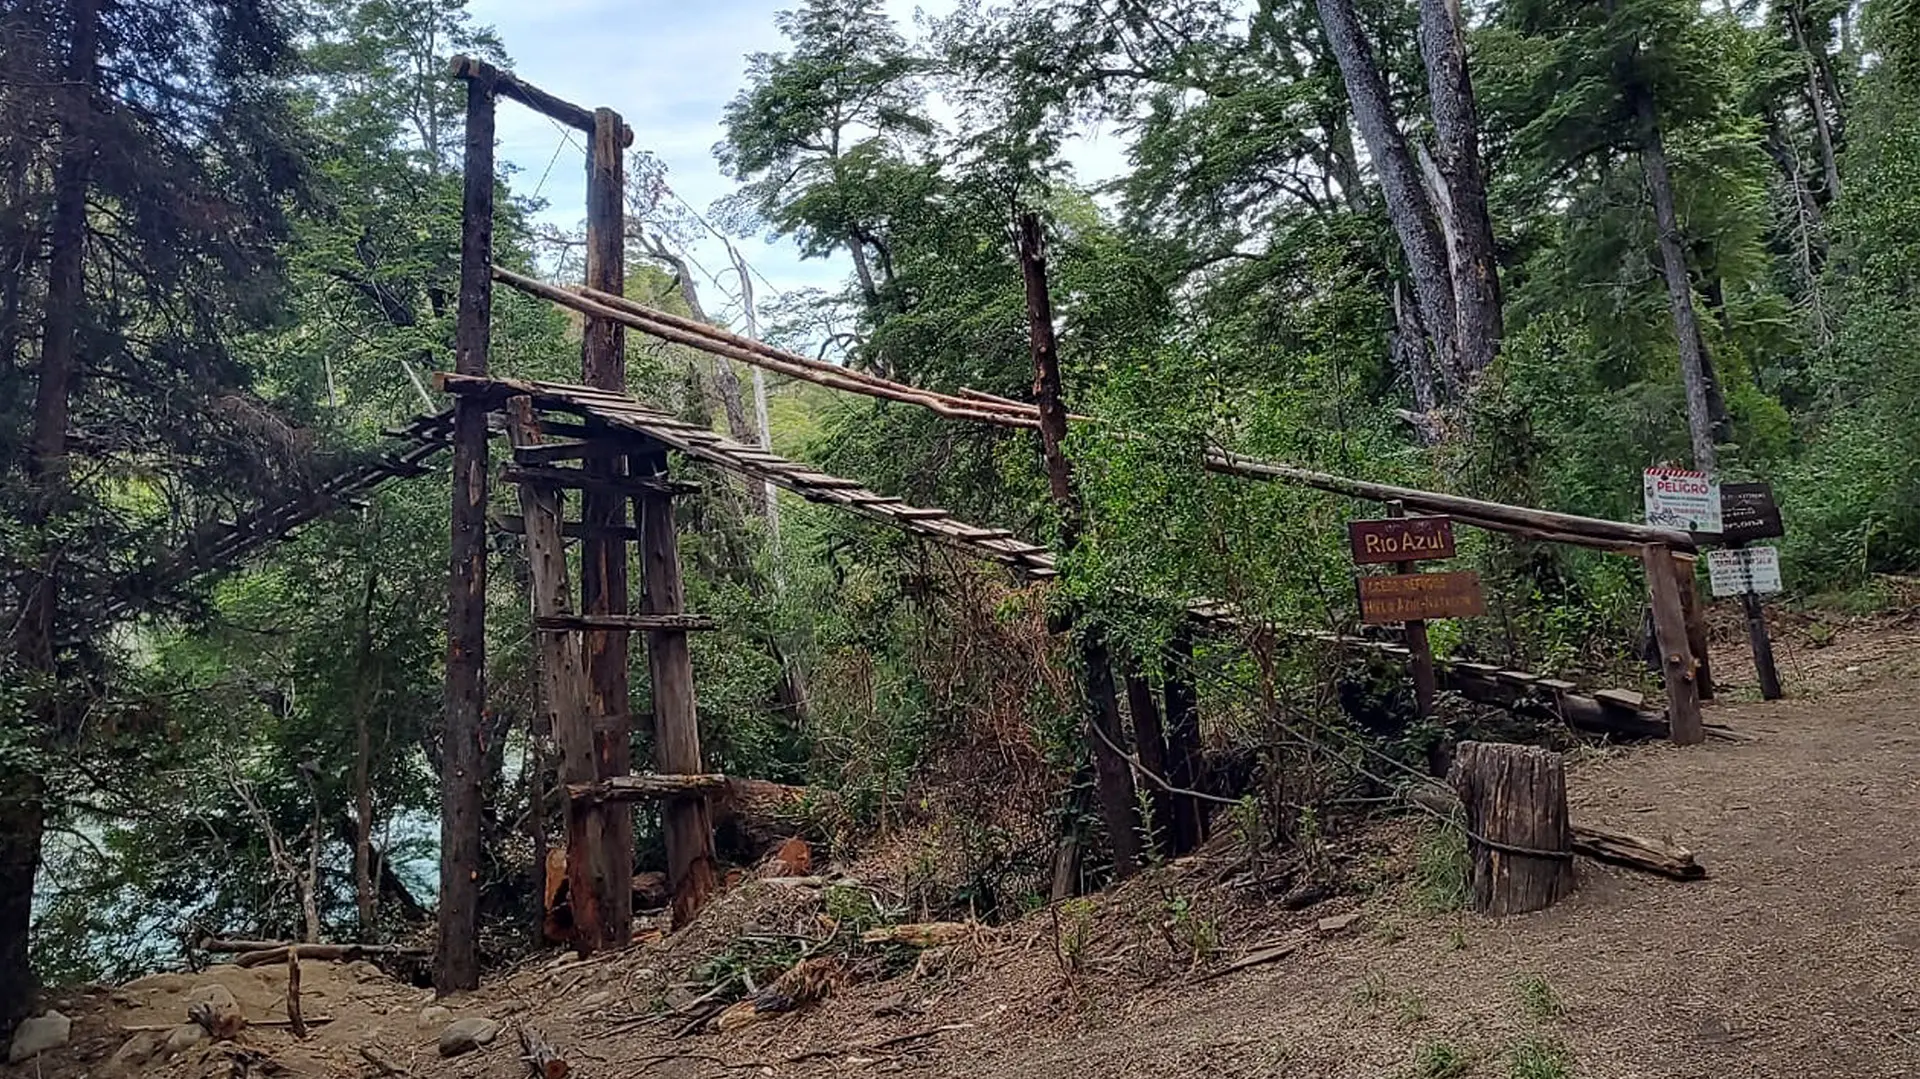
x=613, y=453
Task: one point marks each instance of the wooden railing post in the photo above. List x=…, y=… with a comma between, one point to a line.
x=686, y=821
x=603, y=572
x=456, y=960
x=1696, y=611
x=1676, y=654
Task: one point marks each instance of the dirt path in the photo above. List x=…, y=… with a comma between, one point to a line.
x=1800, y=955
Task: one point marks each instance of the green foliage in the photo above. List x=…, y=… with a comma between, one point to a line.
x=1538, y=999
x=1440, y=872
x=1539, y=1058
x=1440, y=1060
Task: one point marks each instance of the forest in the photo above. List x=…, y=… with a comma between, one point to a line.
x=1517, y=250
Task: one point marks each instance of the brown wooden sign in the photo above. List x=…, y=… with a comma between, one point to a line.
x=1400, y=539
x=1411, y=597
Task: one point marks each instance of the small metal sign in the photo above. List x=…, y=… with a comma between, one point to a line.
x=1748, y=512
x=1740, y=570
x=1400, y=539
x=1412, y=597
x=1679, y=498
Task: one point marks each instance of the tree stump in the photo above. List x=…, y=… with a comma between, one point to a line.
x=1519, y=841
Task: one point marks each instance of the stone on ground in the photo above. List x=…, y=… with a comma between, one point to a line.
x=39, y=1034
x=467, y=1035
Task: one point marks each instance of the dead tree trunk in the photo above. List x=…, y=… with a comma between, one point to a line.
x=1112, y=781
x=1183, y=742
x=1519, y=841
x=1673, y=265
x=1150, y=748
x=1462, y=188
x=1821, y=89
x=1407, y=203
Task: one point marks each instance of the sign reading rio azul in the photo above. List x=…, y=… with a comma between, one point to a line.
x=1400, y=539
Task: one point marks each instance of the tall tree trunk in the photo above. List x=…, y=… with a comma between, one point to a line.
x=1673, y=262
x=366, y=893
x=22, y=790
x=1112, y=781
x=862, y=269
x=1461, y=192
x=1410, y=353
x=1821, y=90
x=1407, y=203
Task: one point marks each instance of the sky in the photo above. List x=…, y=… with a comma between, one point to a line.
x=669, y=69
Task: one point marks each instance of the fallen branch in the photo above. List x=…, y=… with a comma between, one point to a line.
x=381, y=1064
x=1263, y=954
x=540, y=1057
x=1635, y=852
x=880, y=1046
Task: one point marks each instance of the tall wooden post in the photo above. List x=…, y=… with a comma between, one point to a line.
x=603, y=564
x=1676, y=654
x=1112, y=781
x=1762, y=646
x=561, y=692
x=676, y=721
x=456, y=961
x=1419, y=648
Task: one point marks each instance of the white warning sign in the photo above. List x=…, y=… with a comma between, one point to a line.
x=1679, y=498
x=1741, y=570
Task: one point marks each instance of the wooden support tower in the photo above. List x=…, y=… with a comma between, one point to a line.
x=1519, y=839
x=676, y=724
x=456, y=960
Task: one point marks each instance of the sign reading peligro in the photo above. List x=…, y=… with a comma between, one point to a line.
x=1678, y=498
x=1413, y=597
x=1400, y=539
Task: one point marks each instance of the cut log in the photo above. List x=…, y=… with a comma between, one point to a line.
x=339, y=953
x=540, y=1057
x=1518, y=839
x=754, y=816
x=1636, y=852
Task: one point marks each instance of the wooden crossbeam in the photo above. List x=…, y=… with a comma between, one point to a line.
x=517, y=524
x=576, y=479
x=683, y=622
x=644, y=787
